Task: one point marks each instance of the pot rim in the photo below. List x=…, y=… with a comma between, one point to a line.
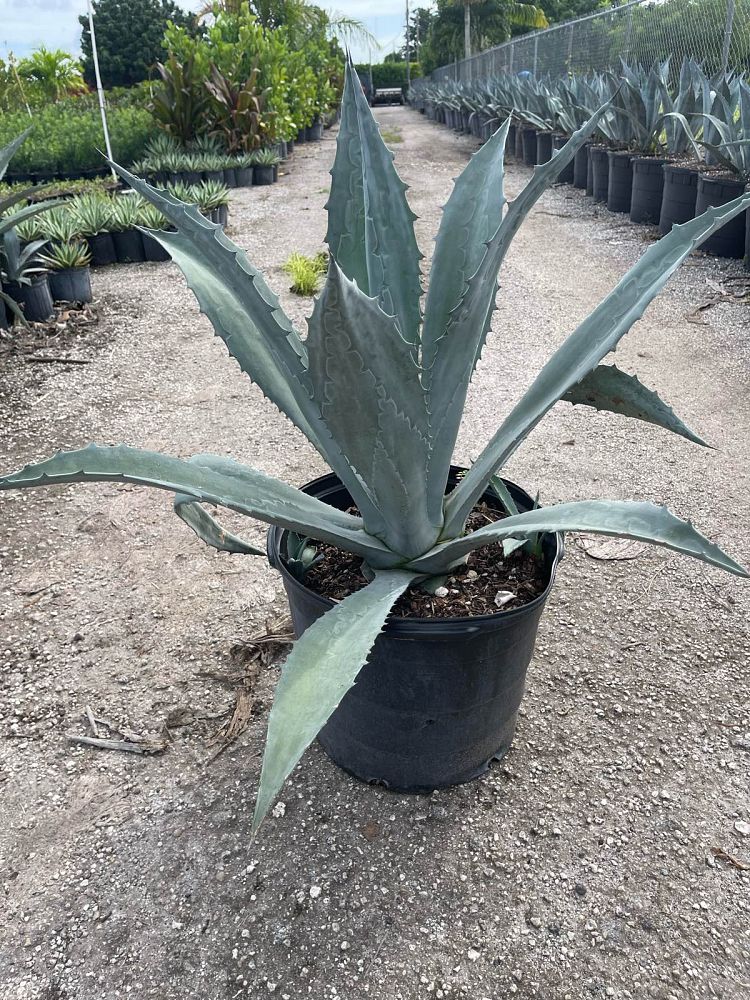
x=414, y=624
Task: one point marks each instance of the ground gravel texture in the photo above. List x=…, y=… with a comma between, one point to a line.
x=606, y=856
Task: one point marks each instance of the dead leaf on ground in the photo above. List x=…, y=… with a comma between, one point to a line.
x=245, y=707
x=370, y=830
x=610, y=549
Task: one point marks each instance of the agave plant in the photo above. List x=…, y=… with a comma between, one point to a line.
x=379, y=388
x=65, y=256
x=14, y=212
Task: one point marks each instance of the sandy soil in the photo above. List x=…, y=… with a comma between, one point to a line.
x=585, y=865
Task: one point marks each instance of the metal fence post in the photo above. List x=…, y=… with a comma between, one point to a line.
x=727, y=35
x=536, y=49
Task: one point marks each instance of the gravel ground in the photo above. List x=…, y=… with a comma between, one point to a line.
x=606, y=856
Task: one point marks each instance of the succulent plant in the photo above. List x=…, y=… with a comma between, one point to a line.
x=265, y=158
x=63, y=256
x=93, y=213
x=379, y=390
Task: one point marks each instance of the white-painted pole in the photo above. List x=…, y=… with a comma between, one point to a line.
x=99, y=89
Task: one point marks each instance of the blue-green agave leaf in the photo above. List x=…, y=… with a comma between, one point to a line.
x=365, y=380
x=8, y=152
x=599, y=334
x=236, y=487
x=208, y=529
x=322, y=666
x=375, y=206
x=8, y=222
x=608, y=388
x=468, y=323
x=645, y=522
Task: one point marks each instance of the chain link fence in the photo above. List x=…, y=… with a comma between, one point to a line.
x=716, y=33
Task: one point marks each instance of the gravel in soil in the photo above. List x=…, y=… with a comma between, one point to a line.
x=606, y=856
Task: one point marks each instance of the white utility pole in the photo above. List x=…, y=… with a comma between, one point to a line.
x=99, y=88
x=408, y=53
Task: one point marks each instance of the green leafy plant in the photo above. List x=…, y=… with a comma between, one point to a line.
x=265, y=158
x=60, y=225
x=126, y=213
x=93, y=214
x=180, y=103
x=64, y=256
x=236, y=110
x=305, y=272
x=379, y=389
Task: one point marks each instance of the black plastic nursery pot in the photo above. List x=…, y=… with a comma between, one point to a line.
x=678, y=198
x=35, y=299
x=566, y=175
x=128, y=246
x=544, y=146
x=71, y=284
x=220, y=214
x=263, y=174
x=314, y=132
x=192, y=176
x=214, y=175
x=518, y=152
x=510, y=139
x=244, y=176
x=437, y=700
x=102, y=249
x=581, y=166
x=729, y=241
x=529, y=140
x=648, y=189
x=289, y=147
x=747, y=240
x=230, y=177
x=153, y=250
x=620, y=181
x=599, y=160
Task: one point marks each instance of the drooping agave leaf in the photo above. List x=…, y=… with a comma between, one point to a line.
x=368, y=198
x=209, y=530
x=645, y=522
x=608, y=388
x=236, y=486
x=247, y=316
x=469, y=321
x=8, y=152
x=365, y=381
x=599, y=334
x=320, y=669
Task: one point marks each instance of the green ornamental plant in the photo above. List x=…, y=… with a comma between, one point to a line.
x=379, y=388
x=65, y=256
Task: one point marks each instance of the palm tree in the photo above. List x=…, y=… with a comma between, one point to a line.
x=520, y=15
x=53, y=72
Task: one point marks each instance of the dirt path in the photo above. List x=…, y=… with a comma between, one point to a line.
x=582, y=866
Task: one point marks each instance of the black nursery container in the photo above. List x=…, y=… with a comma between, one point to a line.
x=544, y=146
x=599, y=159
x=648, y=189
x=529, y=140
x=438, y=698
x=566, y=175
x=263, y=174
x=244, y=176
x=35, y=299
x=620, y=181
x=678, y=199
x=129, y=246
x=729, y=241
x=153, y=250
x=102, y=249
x=518, y=152
x=581, y=166
x=747, y=241
x=510, y=139
x=71, y=284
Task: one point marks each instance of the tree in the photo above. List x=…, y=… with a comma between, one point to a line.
x=566, y=10
x=491, y=22
x=52, y=73
x=129, y=37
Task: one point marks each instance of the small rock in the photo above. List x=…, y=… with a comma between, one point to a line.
x=441, y=592
x=315, y=891
x=278, y=811
x=579, y=889
x=344, y=946
x=472, y=574
x=742, y=828
x=472, y=954
x=503, y=597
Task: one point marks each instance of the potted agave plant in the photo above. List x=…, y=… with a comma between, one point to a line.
x=69, y=271
x=379, y=388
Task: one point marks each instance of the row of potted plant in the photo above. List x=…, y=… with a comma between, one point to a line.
x=48, y=247
x=166, y=161
x=665, y=150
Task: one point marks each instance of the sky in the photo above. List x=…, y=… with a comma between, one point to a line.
x=27, y=24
